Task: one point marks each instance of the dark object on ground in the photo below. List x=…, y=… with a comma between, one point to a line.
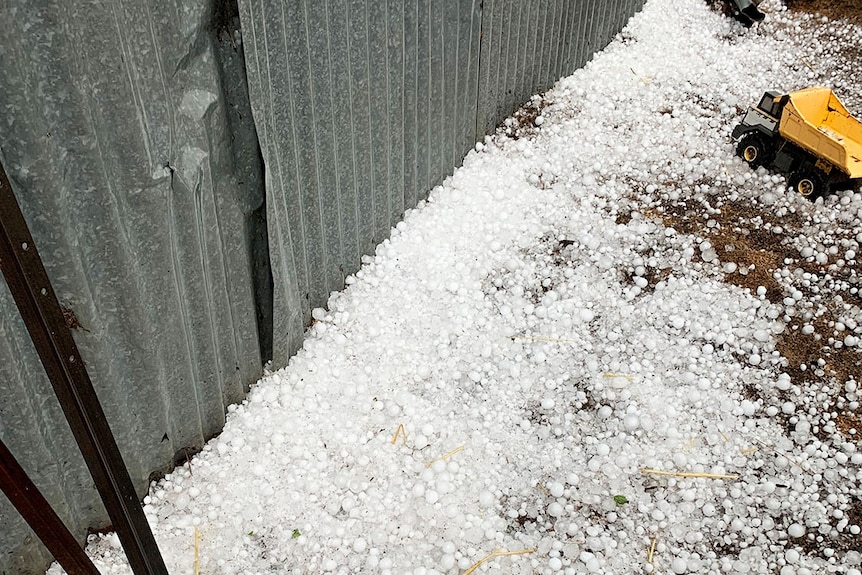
x=746, y=11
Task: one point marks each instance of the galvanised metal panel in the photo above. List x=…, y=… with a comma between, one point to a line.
x=528, y=44
x=470, y=41
x=120, y=129
x=362, y=106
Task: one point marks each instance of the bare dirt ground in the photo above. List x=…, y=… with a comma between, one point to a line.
x=833, y=9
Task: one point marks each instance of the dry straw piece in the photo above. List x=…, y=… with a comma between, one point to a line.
x=400, y=431
x=651, y=550
x=687, y=474
x=445, y=456
x=496, y=553
x=548, y=339
x=197, y=553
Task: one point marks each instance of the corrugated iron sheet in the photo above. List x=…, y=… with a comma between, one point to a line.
x=115, y=134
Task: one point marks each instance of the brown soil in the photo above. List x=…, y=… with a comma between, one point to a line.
x=833, y=9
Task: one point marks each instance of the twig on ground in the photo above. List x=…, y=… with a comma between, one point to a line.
x=784, y=455
x=652, y=550
x=445, y=456
x=496, y=553
x=550, y=339
x=688, y=474
x=197, y=553
x=628, y=377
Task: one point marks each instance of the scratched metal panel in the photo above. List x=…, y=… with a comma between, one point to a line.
x=125, y=148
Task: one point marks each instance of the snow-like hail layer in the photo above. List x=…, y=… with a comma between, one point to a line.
x=501, y=373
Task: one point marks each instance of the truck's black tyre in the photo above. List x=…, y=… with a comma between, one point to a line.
x=808, y=182
x=755, y=150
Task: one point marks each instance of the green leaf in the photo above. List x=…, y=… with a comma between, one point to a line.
x=296, y=533
x=620, y=499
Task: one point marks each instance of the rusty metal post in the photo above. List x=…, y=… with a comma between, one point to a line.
x=30, y=287
x=37, y=512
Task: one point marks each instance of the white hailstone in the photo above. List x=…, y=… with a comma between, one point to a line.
x=556, y=489
x=114, y=541
x=539, y=120
x=796, y=530
x=348, y=503
x=807, y=329
x=748, y=408
x=359, y=545
x=761, y=290
x=851, y=341
x=605, y=412
x=729, y=267
x=679, y=565
x=555, y=564
x=486, y=499
x=555, y=509
x=447, y=562
x=708, y=509
x=783, y=382
x=631, y=421
x=318, y=313
x=548, y=403
x=788, y=407
x=431, y=497
x=850, y=255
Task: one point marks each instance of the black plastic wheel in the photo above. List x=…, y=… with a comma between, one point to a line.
x=809, y=183
x=754, y=149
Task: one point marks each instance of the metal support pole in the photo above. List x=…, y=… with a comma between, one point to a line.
x=37, y=512
x=25, y=274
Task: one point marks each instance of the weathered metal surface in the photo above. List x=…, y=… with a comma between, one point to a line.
x=22, y=268
x=154, y=261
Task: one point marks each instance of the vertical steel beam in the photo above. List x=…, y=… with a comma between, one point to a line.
x=30, y=287
x=37, y=512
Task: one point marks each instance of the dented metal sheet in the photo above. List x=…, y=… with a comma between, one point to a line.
x=115, y=134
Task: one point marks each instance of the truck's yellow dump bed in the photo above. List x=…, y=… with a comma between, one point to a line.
x=816, y=120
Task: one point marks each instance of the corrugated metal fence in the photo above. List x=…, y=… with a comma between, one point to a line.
x=187, y=252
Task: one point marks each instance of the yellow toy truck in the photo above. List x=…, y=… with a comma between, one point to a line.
x=808, y=134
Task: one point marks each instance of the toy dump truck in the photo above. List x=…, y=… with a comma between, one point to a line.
x=808, y=134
